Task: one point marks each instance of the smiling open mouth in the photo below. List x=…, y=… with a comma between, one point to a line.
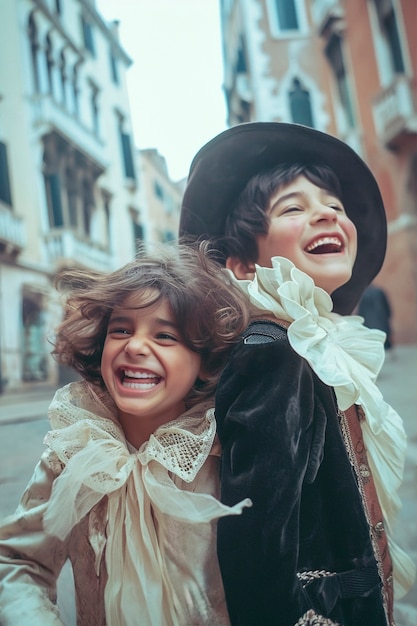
x=325, y=245
x=139, y=380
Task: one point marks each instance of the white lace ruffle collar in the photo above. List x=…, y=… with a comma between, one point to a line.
x=90, y=444
x=347, y=356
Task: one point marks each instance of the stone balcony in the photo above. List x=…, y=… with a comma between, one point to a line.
x=395, y=112
x=49, y=116
x=65, y=249
x=12, y=232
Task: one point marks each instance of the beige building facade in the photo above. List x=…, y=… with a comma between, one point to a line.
x=162, y=197
x=348, y=68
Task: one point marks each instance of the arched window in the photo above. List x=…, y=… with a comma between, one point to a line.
x=127, y=154
x=95, y=113
x=5, y=191
x=137, y=227
x=63, y=77
x=106, y=210
x=75, y=91
x=71, y=185
x=34, y=344
x=389, y=28
x=88, y=205
x=300, y=105
x=49, y=57
x=34, y=50
x=334, y=52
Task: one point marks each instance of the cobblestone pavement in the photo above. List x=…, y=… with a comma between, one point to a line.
x=398, y=383
x=23, y=425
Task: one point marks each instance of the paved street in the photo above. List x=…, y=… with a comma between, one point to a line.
x=23, y=425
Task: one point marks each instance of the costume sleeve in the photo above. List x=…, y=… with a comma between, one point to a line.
x=271, y=428
x=30, y=561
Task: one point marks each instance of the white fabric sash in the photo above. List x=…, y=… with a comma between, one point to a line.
x=139, y=486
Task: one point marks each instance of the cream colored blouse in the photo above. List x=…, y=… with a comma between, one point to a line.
x=139, y=527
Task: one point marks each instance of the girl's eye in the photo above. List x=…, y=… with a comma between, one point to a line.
x=337, y=207
x=118, y=331
x=167, y=337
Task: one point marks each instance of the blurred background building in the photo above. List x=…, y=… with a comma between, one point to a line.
x=162, y=195
x=75, y=191
x=349, y=68
x=71, y=188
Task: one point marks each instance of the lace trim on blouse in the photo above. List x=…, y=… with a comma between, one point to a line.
x=91, y=445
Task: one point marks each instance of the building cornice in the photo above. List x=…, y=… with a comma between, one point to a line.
x=98, y=21
x=92, y=12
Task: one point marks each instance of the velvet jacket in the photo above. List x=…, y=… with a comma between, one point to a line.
x=305, y=550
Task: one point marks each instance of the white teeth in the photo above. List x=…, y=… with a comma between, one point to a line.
x=132, y=374
x=141, y=386
x=324, y=241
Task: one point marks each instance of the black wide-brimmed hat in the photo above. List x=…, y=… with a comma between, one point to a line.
x=223, y=167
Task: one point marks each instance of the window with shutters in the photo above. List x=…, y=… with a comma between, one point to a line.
x=334, y=53
x=88, y=37
x=287, y=17
x=126, y=148
x=389, y=28
x=5, y=193
x=300, y=104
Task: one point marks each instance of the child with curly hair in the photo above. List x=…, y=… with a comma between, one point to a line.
x=128, y=486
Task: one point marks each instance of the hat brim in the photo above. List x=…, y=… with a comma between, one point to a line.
x=223, y=167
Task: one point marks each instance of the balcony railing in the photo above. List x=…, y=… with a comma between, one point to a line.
x=12, y=231
x=65, y=248
x=395, y=112
x=49, y=116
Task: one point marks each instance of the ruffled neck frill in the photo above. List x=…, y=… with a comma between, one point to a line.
x=347, y=356
x=91, y=445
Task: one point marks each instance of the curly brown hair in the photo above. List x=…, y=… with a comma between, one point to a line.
x=210, y=311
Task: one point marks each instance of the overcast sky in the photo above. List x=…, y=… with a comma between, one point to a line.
x=175, y=82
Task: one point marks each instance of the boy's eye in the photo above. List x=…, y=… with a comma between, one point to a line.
x=336, y=207
x=291, y=209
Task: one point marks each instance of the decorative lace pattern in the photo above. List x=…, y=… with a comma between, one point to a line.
x=348, y=357
x=91, y=445
x=182, y=446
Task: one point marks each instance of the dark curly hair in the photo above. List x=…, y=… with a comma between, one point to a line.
x=210, y=311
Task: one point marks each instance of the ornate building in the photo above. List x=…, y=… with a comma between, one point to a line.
x=349, y=68
x=70, y=193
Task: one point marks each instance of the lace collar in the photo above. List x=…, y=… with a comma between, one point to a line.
x=139, y=486
x=347, y=356
x=181, y=445
x=322, y=337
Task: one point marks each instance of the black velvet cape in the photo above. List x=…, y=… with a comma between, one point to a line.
x=283, y=448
